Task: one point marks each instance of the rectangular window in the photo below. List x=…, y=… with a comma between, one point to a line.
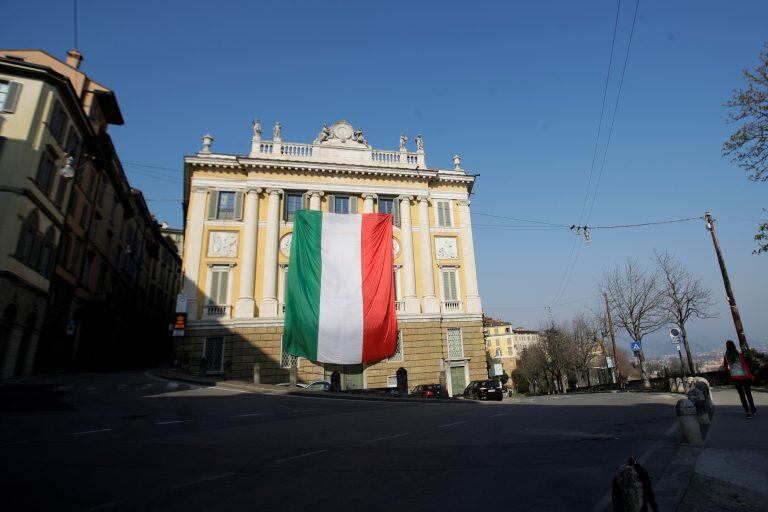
x=389, y=205
x=398, y=355
x=58, y=122
x=73, y=146
x=450, y=289
x=287, y=360
x=226, y=207
x=510, y=351
x=213, y=352
x=218, y=292
x=9, y=95
x=391, y=381
x=341, y=204
x=45, y=172
x=293, y=201
x=84, y=213
x=444, y=214
x=455, y=343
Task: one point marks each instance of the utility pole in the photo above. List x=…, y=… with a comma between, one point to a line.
x=727, y=282
x=616, y=370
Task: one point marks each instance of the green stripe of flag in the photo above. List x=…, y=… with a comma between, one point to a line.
x=302, y=300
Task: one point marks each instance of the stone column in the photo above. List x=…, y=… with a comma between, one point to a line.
x=368, y=203
x=431, y=304
x=471, y=295
x=409, y=275
x=194, y=246
x=245, y=302
x=15, y=335
x=31, y=352
x=268, y=302
x=314, y=199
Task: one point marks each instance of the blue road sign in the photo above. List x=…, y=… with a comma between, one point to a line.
x=635, y=346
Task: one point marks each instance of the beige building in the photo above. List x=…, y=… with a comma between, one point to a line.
x=503, y=342
x=238, y=224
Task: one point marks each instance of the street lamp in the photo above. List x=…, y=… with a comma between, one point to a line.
x=68, y=171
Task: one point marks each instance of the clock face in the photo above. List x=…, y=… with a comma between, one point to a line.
x=395, y=247
x=285, y=245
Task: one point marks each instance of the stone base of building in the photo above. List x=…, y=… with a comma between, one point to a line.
x=21, y=311
x=241, y=348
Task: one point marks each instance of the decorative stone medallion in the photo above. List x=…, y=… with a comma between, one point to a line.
x=285, y=245
x=395, y=247
x=445, y=248
x=222, y=244
x=342, y=131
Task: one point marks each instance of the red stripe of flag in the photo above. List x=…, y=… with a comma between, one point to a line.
x=379, y=318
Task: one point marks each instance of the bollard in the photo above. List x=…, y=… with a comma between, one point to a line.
x=689, y=424
x=632, y=490
x=680, y=386
x=257, y=372
x=672, y=385
x=703, y=386
x=688, y=383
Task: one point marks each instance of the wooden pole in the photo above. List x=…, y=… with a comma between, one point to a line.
x=727, y=283
x=617, y=371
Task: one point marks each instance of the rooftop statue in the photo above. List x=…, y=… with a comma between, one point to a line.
x=256, y=129
x=403, y=141
x=419, y=143
x=324, y=134
x=276, y=131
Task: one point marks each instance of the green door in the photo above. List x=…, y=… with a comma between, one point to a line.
x=352, y=377
x=458, y=382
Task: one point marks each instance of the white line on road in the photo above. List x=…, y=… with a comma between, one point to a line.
x=394, y=436
x=201, y=480
x=300, y=456
x=171, y=422
x=90, y=431
x=247, y=415
x=497, y=415
x=452, y=424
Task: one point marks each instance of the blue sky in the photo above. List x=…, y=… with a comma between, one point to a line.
x=514, y=87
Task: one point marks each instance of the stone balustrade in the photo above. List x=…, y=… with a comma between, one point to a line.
x=334, y=154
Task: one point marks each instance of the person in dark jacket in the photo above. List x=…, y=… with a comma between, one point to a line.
x=738, y=371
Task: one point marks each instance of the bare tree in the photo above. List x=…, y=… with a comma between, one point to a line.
x=637, y=303
x=585, y=346
x=685, y=297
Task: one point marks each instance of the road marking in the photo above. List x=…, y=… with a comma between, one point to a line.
x=102, y=506
x=201, y=480
x=302, y=410
x=171, y=422
x=497, y=415
x=452, y=424
x=13, y=443
x=90, y=431
x=300, y=456
x=247, y=415
x=394, y=436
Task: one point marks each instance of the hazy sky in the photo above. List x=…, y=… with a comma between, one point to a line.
x=515, y=88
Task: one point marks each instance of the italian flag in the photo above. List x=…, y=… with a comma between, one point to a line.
x=340, y=296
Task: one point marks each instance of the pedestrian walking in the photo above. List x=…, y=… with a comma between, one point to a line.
x=742, y=378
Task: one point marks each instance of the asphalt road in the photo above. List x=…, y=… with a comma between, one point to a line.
x=130, y=441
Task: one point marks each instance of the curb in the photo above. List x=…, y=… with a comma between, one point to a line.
x=284, y=390
x=673, y=484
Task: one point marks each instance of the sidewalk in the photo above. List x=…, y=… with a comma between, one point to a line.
x=730, y=473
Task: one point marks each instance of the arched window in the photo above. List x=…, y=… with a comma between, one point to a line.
x=45, y=255
x=26, y=249
x=498, y=352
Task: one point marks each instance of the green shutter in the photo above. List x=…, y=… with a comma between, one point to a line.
x=331, y=204
x=305, y=201
x=213, y=295
x=213, y=203
x=223, y=287
x=239, y=205
x=12, y=99
x=396, y=211
x=353, y=204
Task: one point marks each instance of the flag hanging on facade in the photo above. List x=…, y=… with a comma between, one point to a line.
x=340, y=295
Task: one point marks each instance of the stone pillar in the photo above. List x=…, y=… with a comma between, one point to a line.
x=194, y=246
x=245, y=302
x=368, y=203
x=8, y=359
x=431, y=304
x=31, y=352
x=409, y=274
x=471, y=294
x=268, y=302
x=314, y=199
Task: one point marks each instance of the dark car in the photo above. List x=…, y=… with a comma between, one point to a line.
x=426, y=391
x=484, y=390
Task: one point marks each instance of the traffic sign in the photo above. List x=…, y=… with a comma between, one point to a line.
x=675, y=334
x=635, y=346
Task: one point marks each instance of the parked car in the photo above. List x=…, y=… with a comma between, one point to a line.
x=319, y=385
x=426, y=391
x=484, y=390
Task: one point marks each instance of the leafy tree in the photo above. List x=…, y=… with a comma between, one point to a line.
x=748, y=145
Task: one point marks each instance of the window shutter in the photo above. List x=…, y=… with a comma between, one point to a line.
x=331, y=204
x=442, y=218
x=12, y=99
x=352, y=204
x=214, y=291
x=305, y=201
x=446, y=286
x=213, y=203
x=454, y=291
x=239, y=205
x=396, y=211
x=223, y=287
